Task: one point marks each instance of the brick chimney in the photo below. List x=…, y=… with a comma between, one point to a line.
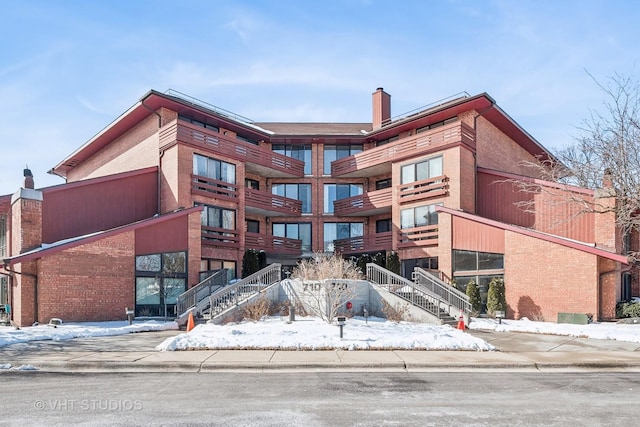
x=381, y=108
x=28, y=179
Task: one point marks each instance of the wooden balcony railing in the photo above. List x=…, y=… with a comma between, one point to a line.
x=441, y=137
x=272, y=244
x=213, y=188
x=419, y=236
x=425, y=189
x=221, y=237
x=268, y=204
x=371, y=203
x=258, y=159
x=368, y=243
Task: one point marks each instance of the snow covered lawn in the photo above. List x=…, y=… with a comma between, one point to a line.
x=310, y=333
x=10, y=335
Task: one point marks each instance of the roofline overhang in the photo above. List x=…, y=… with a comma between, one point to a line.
x=540, y=182
x=90, y=238
x=573, y=244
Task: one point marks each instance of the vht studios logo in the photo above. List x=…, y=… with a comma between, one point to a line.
x=90, y=405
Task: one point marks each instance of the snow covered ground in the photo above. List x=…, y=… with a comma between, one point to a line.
x=312, y=333
x=10, y=335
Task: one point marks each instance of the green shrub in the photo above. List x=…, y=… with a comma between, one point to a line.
x=627, y=309
x=250, y=262
x=393, y=262
x=473, y=292
x=380, y=259
x=496, y=299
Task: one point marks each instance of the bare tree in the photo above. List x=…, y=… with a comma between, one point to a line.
x=604, y=158
x=325, y=294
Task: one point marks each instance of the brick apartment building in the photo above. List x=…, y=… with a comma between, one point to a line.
x=175, y=189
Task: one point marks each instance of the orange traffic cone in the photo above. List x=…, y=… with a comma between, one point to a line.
x=190, y=322
x=461, y=323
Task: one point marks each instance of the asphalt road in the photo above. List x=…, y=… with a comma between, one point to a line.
x=321, y=399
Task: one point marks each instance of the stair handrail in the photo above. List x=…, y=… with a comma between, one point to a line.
x=194, y=295
x=447, y=293
x=233, y=294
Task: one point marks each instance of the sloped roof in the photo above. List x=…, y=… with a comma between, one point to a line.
x=584, y=247
x=52, y=248
x=320, y=129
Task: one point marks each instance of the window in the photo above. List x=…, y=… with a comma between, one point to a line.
x=340, y=230
x=426, y=169
x=387, y=141
x=476, y=261
x=4, y=290
x=408, y=265
x=199, y=123
x=383, y=225
x=300, y=231
x=253, y=226
x=418, y=216
x=333, y=192
x=210, y=266
x=247, y=139
x=336, y=152
x=251, y=183
x=214, y=170
x=160, y=278
x=300, y=192
x=383, y=183
x=437, y=124
x=299, y=152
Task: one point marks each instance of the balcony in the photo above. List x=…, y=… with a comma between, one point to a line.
x=273, y=244
x=220, y=237
x=369, y=243
x=258, y=160
x=371, y=203
x=266, y=204
x=419, y=236
x=377, y=161
x=209, y=187
x=424, y=190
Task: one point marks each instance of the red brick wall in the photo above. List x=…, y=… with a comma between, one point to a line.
x=543, y=279
x=91, y=282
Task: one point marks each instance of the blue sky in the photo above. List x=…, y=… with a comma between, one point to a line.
x=69, y=68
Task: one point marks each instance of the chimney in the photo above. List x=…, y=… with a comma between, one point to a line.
x=28, y=179
x=381, y=108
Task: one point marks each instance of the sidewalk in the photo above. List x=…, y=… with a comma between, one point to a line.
x=135, y=353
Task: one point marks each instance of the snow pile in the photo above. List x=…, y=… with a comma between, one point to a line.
x=10, y=335
x=310, y=333
x=598, y=331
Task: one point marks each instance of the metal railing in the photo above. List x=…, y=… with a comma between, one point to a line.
x=447, y=293
x=232, y=295
x=200, y=292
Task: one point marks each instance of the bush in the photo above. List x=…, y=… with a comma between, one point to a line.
x=262, y=260
x=473, y=292
x=250, y=262
x=257, y=309
x=627, y=309
x=496, y=299
x=380, y=259
x=393, y=262
x=362, y=262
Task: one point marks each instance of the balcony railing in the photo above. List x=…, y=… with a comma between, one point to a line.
x=259, y=160
x=368, y=243
x=267, y=204
x=213, y=188
x=273, y=244
x=371, y=203
x=439, y=138
x=419, y=236
x=221, y=237
x=424, y=189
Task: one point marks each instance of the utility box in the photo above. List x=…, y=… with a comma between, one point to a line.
x=574, y=318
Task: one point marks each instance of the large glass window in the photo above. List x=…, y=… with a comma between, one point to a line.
x=299, y=152
x=218, y=217
x=300, y=231
x=160, y=278
x=340, y=230
x=426, y=169
x=4, y=290
x=333, y=192
x=475, y=261
x=214, y=169
x=418, y=216
x=300, y=192
x=3, y=236
x=336, y=152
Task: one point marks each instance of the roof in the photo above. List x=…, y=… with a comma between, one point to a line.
x=52, y=248
x=573, y=244
x=316, y=129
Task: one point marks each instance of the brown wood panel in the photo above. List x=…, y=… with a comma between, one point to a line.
x=167, y=236
x=473, y=236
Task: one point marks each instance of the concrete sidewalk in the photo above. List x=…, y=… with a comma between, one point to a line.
x=136, y=353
